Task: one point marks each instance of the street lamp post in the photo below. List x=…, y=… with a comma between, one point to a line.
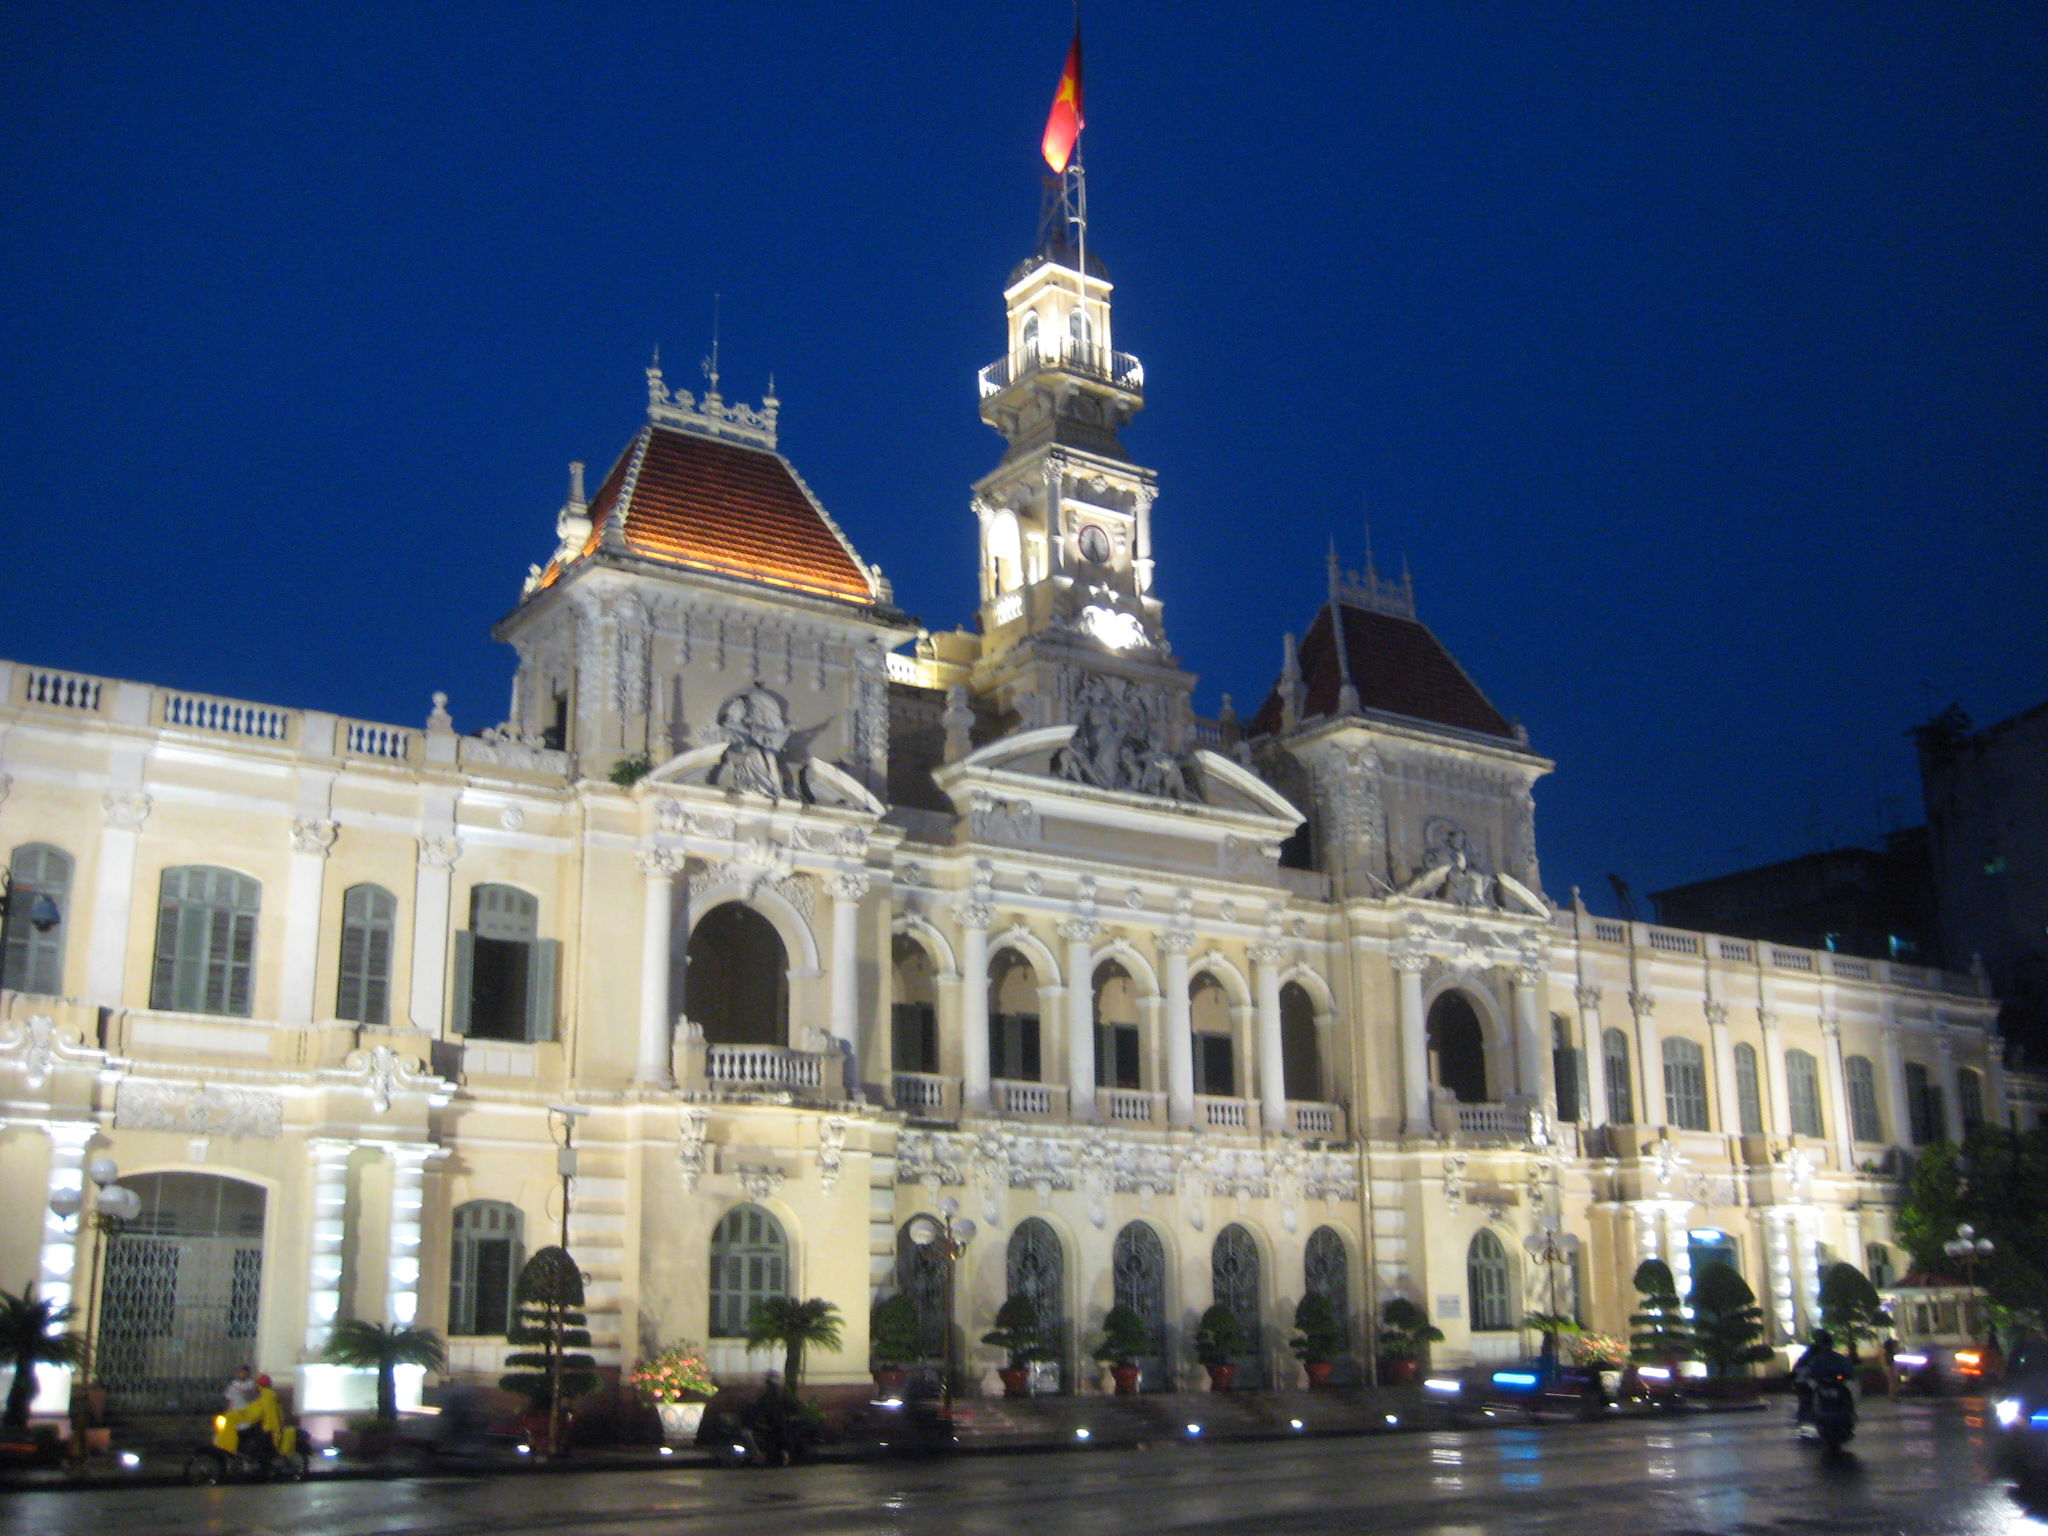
x=1550, y=1245
x=101, y=1205
x=947, y=1236
x=1970, y=1248
x=566, y=1116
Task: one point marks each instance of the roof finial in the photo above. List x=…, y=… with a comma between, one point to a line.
x=711, y=363
x=1292, y=694
x=1372, y=573
x=657, y=391
x=1347, y=692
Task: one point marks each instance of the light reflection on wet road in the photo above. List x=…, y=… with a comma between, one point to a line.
x=1918, y=1469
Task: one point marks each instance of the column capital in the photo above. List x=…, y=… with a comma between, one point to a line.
x=1717, y=1013
x=1642, y=1003
x=1409, y=962
x=1268, y=953
x=440, y=852
x=125, y=812
x=314, y=837
x=1768, y=1020
x=1080, y=930
x=848, y=884
x=974, y=916
x=1175, y=941
x=1528, y=975
x=1587, y=996
x=658, y=863
x=1831, y=1026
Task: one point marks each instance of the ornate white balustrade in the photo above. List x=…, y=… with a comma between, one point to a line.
x=1492, y=1122
x=225, y=717
x=1226, y=1114
x=60, y=690
x=1324, y=1120
x=1028, y=1101
x=1129, y=1106
x=923, y=1093
x=762, y=1066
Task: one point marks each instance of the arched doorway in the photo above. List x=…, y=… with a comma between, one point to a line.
x=914, y=1011
x=181, y=1293
x=1234, y=1278
x=1326, y=1272
x=1138, y=1265
x=736, y=978
x=1215, y=1038
x=1119, y=1063
x=1036, y=1267
x=921, y=1275
x=1457, y=1048
x=1013, y=1051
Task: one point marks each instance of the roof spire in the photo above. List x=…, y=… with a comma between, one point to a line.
x=657, y=391
x=1347, y=691
x=710, y=364
x=1291, y=690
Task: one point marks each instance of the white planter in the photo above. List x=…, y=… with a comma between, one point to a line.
x=680, y=1422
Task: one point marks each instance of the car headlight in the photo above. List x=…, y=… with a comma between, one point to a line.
x=2008, y=1411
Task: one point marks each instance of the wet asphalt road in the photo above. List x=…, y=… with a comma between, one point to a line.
x=1917, y=1468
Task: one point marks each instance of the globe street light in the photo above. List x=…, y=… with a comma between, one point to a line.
x=102, y=1204
x=1549, y=1245
x=566, y=1115
x=1970, y=1248
x=947, y=1236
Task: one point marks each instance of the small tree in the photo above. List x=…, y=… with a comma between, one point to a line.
x=1660, y=1332
x=1935, y=1205
x=1849, y=1306
x=1125, y=1337
x=895, y=1337
x=32, y=1333
x=548, y=1320
x=1318, y=1330
x=381, y=1348
x=1218, y=1338
x=794, y=1326
x=1019, y=1333
x=1405, y=1330
x=1727, y=1323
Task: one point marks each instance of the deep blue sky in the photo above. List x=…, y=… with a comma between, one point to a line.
x=1692, y=354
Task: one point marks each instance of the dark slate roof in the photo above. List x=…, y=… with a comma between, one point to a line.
x=1397, y=666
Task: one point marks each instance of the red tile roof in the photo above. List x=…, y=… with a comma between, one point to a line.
x=695, y=501
x=1397, y=666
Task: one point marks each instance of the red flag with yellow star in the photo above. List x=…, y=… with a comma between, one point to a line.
x=1063, y=124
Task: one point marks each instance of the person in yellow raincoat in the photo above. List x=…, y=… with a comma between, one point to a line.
x=264, y=1414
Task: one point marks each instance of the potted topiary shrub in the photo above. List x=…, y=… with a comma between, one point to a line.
x=895, y=1343
x=1405, y=1336
x=1218, y=1342
x=1020, y=1335
x=678, y=1383
x=1318, y=1338
x=1124, y=1338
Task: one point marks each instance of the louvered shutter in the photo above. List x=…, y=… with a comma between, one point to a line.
x=542, y=962
x=465, y=973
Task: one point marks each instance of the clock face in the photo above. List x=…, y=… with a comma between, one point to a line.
x=1094, y=545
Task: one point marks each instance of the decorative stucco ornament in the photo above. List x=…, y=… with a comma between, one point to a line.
x=1117, y=743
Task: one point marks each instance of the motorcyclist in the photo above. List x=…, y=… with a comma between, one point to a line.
x=768, y=1419
x=1819, y=1365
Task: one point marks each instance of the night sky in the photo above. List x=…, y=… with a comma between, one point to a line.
x=1692, y=355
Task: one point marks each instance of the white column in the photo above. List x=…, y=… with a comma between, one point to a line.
x=328, y=1232
x=1778, y=1264
x=1806, y=1262
x=1180, y=1038
x=1951, y=1094
x=430, y=929
x=847, y=888
x=1677, y=1217
x=1838, y=1092
x=311, y=839
x=57, y=1276
x=657, y=924
x=975, y=917
x=1778, y=1111
x=1649, y=1231
x=1408, y=968
x=1721, y=1039
x=402, y=1267
x=1899, y=1116
x=1537, y=1069
x=1273, y=1116
x=1594, y=1050
x=1080, y=932
x=113, y=890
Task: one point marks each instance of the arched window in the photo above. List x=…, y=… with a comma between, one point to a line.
x=1685, y=1083
x=1215, y=1042
x=1802, y=1092
x=1621, y=1098
x=914, y=1013
x=504, y=971
x=1457, y=1046
x=1013, y=1018
x=1877, y=1264
x=736, y=978
x=1138, y=1268
x=921, y=1275
x=1565, y=1069
x=1970, y=1097
x=1077, y=332
x=486, y=1252
x=1749, y=1101
x=369, y=918
x=205, y=941
x=749, y=1264
x=1234, y=1281
x=1119, y=1063
x=1326, y=1272
x=1028, y=336
x=1301, y=1052
x=38, y=905
x=1864, y=1119
x=1035, y=1266
x=1486, y=1284
x=1005, y=552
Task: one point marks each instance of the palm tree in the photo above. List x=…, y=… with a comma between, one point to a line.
x=793, y=1324
x=385, y=1348
x=32, y=1333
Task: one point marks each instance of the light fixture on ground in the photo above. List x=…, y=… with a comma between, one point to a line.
x=101, y=1205
x=946, y=1236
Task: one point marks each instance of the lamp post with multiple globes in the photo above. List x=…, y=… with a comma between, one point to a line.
x=1550, y=1245
x=101, y=1205
x=946, y=1236
x=1972, y=1250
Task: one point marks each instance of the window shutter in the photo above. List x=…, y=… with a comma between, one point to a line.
x=542, y=960
x=465, y=971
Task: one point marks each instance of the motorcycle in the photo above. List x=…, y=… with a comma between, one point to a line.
x=1834, y=1413
x=238, y=1454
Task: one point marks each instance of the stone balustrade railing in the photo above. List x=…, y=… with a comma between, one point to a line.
x=763, y=1066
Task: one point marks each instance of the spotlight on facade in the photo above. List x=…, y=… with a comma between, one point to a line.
x=1294, y=1423
x=1194, y=1429
x=1081, y=1433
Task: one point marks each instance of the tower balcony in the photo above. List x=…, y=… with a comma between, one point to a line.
x=1120, y=370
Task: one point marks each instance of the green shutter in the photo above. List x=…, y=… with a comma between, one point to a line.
x=542, y=961
x=465, y=971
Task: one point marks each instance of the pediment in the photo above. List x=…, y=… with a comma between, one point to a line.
x=808, y=781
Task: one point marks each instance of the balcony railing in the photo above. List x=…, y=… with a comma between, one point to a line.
x=1129, y=1106
x=1324, y=1120
x=1028, y=1101
x=1226, y=1114
x=1492, y=1122
x=924, y=1094
x=1092, y=362
x=763, y=1066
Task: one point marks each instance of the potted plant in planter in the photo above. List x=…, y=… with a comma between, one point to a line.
x=1019, y=1334
x=1124, y=1338
x=1318, y=1339
x=1405, y=1336
x=678, y=1383
x=895, y=1343
x=1218, y=1342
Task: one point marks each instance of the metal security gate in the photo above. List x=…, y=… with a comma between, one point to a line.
x=181, y=1293
x=1234, y=1272
x=1139, y=1264
x=1037, y=1268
